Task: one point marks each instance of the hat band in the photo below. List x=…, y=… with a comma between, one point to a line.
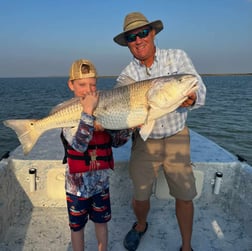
x=135, y=25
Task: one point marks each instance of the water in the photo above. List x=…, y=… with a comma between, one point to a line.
x=226, y=118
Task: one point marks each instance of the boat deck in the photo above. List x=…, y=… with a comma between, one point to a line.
x=45, y=228
x=41, y=224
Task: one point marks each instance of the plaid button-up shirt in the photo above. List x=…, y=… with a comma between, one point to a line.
x=166, y=62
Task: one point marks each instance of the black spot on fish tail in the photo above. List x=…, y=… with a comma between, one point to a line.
x=240, y=158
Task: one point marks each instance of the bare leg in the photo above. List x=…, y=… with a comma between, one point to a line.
x=101, y=230
x=77, y=239
x=141, y=209
x=184, y=213
x=133, y=237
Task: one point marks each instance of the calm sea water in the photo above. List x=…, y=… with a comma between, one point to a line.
x=226, y=118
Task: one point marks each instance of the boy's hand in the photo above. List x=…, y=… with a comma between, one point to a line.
x=98, y=127
x=89, y=102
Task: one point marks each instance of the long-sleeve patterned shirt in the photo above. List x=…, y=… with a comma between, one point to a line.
x=166, y=62
x=89, y=183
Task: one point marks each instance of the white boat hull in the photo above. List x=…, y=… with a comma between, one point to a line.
x=221, y=222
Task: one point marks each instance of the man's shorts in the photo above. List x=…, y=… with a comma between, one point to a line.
x=96, y=207
x=173, y=153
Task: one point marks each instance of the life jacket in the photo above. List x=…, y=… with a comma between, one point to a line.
x=98, y=155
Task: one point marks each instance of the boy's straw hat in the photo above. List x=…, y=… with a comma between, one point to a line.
x=82, y=68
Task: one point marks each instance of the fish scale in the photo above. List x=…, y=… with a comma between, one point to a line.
x=123, y=106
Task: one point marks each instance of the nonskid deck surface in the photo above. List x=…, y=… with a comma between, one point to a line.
x=46, y=228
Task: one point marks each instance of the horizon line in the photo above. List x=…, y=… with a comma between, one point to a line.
x=114, y=76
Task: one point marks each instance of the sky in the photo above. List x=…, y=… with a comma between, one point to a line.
x=43, y=38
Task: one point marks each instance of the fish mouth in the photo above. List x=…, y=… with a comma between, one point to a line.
x=192, y=87
x=194, y=83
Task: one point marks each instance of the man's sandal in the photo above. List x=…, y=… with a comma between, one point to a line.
x=133, y=237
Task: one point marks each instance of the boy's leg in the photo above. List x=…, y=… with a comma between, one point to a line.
x=78, y=217
x=101, y=230
x=100, y=215
x=77, y=238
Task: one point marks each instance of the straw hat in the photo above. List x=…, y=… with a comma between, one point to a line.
x=133, y=21
x=82, y=68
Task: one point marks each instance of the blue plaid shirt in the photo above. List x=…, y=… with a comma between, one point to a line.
x=166, y=62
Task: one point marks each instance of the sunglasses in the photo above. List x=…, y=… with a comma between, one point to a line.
x=141, y=34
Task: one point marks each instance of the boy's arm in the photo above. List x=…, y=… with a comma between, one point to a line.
x=79, y=138
x=119, y=137
x=85, y=129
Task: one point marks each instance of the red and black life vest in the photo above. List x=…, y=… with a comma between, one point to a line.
x=98, y=155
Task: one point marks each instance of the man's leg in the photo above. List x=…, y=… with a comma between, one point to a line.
x=146, y=157
x=141, y=210
x=133, y=237
x=181, y=181
x=184, y=213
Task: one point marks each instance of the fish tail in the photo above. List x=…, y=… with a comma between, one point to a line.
x=27, y=135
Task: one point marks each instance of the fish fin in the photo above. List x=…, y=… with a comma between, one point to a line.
x=157, y=113
x=63, y=105
x=126, y=80
x=27, y=135
x=146, y=129
x=169, y=107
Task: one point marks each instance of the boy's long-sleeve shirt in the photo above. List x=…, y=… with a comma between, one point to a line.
x=87, y=184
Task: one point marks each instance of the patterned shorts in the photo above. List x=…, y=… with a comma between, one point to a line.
x=96, y=207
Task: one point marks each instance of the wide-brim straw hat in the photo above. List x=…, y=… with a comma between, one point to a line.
x=134, y=21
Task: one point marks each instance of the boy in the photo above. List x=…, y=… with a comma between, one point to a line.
x=89, y=158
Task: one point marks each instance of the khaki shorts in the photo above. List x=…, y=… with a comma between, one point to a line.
x=173, y=154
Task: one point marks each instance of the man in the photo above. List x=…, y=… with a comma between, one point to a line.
x=168, y=144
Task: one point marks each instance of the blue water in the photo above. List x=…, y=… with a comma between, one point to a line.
x=226, y=118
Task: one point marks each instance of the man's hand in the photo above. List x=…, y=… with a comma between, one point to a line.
x=190, y=100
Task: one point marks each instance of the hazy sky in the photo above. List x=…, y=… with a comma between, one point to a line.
x=42, y=38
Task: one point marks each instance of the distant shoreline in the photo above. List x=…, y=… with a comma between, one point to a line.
x=114, y=76
x=226, y=74
x=205, y=74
